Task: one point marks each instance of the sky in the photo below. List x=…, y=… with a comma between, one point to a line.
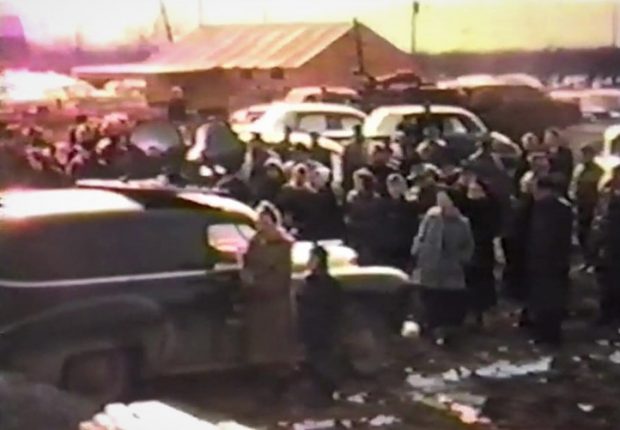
x=442, y=25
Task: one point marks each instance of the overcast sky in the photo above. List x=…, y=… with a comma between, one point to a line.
x=443, y=25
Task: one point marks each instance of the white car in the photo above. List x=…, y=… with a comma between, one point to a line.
x=460, y=128
x=335, y=121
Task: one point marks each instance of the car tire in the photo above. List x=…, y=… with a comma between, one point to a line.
x=103, y=376
x=365, y=337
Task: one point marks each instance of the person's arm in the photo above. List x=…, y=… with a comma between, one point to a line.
x=467, y=244
x=417, y=242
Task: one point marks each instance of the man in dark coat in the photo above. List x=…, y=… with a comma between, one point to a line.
x=177, y=106
x=353, y=159
x=380, y=168
x=585, y=194
x=606, y=244
x=561, y=158
x=548, y=260
x=319, y=309
x=401, y=219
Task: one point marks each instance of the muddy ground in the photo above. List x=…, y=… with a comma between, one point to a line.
x=490, y=378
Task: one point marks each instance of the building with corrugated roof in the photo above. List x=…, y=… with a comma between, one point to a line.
x=231, y=66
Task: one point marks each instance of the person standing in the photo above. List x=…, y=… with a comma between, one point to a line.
x=484, y=213
x=585, y=194
x=266, y=278
x=320, y=304
x=548, y=254
x=353, y=159
x=400, y=224
x=606, y=247
x=177, y=106
x=442, y=249
x=295, y=201
x=379, y=166
x=362, y=217
x=561, y=161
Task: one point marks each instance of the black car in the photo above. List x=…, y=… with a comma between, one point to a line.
x=99, y=287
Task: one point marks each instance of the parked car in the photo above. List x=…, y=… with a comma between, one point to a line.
x=102, y=286
x=243, y=117
x=460, y=128
x=331, y=120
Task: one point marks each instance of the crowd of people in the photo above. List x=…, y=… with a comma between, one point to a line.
x=465, y=229
x=406, y=203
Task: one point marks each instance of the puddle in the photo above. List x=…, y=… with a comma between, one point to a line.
x=314, y=425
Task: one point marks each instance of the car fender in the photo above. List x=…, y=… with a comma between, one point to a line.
x=40, y=345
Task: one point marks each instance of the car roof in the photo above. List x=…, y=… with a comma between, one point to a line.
x=317, y=107
x=20, y=204
x=112, y=198
x=420, y=109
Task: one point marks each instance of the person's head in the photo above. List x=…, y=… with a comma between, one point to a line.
x=269, y=218
x=446, y=204
x=552, y=139
x=544, y=187
x=364, y=181
x=530, y=142
x=431, y=132
x=319, y=260
x=273, y=169
x=320, y=177
x=396, y=186
x=299, y=175
x=477, y=190
x=539, y=163
x=380, y=155
x=588, y=153
x=177, y=93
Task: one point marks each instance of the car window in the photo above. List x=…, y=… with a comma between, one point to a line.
x=448, y=123
x=320, y=122
x=312, y=122
x=107, y=245
x=230, y=238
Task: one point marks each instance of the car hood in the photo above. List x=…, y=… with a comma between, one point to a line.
x=339, y=255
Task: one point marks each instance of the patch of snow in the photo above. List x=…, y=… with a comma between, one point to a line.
x=314, y=425
x=359, y=399
x=615, y=357
x=410, y=330
x=383, y=420
x=584, y=407
x=504, y=369
x=425, y=383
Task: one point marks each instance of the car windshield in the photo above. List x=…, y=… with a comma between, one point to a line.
x=230, y=238
x=450, y=124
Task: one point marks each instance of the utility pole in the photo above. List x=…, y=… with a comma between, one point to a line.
x=200, y=13
x=614, y=24
x=415, y=10
x=166, y=20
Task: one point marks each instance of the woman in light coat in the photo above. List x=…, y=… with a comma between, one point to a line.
x=442, y=248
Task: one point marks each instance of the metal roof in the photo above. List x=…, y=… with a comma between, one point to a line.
x=239, y=46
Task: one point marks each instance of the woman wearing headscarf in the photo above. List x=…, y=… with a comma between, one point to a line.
x=484, y=214
x=442, y=248
x=363, y=216
x=399, y=226
x=266, y=277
